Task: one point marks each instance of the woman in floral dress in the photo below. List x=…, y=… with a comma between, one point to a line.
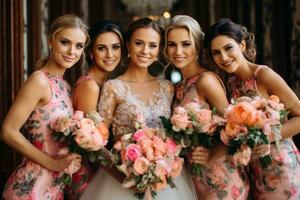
x=219, y=180
x=43, y=97
x=104, y=54
x=231, y=47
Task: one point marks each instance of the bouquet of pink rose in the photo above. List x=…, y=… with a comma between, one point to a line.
x=148, y=159
x=252, y=122
x=194, y=125
x=86, y=136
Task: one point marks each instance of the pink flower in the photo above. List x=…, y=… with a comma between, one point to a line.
x=235, y=192
x=242, y=113
x=118, y=146
x=61, y=124
x=176, y=167
x=192, y=107
x=141, y=166
x=159, y=145
x=204, y=116
x=171, y=146
x=180, y=121
x=73, y=167
x=133, y=152
x=160, y=172
x=243, y=155
x=86, y=124
x=138, y=135
x=78, y=115
x=150, y=132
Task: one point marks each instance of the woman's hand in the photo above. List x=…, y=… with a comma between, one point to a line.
x=199, y=155
x=260, y=151
x=62, y=164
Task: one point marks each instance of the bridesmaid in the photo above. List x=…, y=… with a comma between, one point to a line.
x=183, y=49
x=103, y=55
x=43, y=97
x=231, y=47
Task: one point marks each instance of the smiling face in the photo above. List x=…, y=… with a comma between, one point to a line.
x=106, y=51
x=144, y=47
x=227, y=53
x=180, y=48
x=67, y=47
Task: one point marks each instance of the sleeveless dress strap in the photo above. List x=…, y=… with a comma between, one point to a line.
x=218, y=77
x=255, y=75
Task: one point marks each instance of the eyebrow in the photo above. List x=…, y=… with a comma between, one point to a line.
x=64, y=38
x=221, y=47
x=117, y=43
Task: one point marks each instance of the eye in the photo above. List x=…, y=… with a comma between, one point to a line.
x=171, y=44
x=215, y=53
x=228, y=48
x=153, y=46
x=101, y=48
x=186, y=44
x=65, y=42
x=138, y=43
x=116, y=47
x=79, y=46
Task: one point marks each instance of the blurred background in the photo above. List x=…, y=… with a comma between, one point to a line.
x=24, y=24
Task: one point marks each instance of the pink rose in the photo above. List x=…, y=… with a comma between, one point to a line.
x=171, y=145
x=118, y=146
x=73, y=167
x=141, y=166
x=133, y=152
x=78, y=115
x=176, y=167
x=235, y=192
x=86, y=124
x=192, y=107
x=159, y=145
x=204, y=116
x=138, y=135
x=180, y=121
x=150, y=132
x=243, y=155
x=62, y=124
x=160, y=172
x=150, y=154
x=97, y=140
x=179, y=110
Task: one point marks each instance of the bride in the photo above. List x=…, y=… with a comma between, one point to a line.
x=136, y=91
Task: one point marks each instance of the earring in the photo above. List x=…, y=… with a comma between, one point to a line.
x=92, y=57
x=156, y=59
x=128, y=55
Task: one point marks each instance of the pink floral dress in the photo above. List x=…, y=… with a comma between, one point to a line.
x=81, y=178
x=280, y=180
x=30, y=180
x=220, y=179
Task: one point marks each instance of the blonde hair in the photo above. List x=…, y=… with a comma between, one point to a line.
x=60, y=24
x=192, y=26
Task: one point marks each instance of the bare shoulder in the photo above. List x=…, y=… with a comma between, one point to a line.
x=208, y=80
x=87, y=86
x=266, y=74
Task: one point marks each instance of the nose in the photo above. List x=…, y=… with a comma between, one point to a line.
x=224, y=56
x=71, y=49
x=178, y=50
x=109, y=52
x=145, y=49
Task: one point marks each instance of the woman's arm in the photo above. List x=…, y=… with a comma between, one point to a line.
x=34, y=93
x=86, y=96
x=274, y=85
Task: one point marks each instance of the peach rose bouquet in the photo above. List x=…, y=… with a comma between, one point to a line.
x=85, y=135
x=148, y=159
x=253, y=123
x=194, y=125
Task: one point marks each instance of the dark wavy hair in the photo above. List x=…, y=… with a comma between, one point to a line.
x=235, y=31
x=100, y=27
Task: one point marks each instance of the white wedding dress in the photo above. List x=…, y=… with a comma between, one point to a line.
x=118, y=92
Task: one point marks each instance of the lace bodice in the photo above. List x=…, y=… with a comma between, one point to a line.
x=119, y=105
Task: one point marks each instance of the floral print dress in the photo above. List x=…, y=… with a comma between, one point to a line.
x=220, y=180
x=30, y=180
x=281, y=179
x=81, y=178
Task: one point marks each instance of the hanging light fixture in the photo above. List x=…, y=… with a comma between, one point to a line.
x=158, y=10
